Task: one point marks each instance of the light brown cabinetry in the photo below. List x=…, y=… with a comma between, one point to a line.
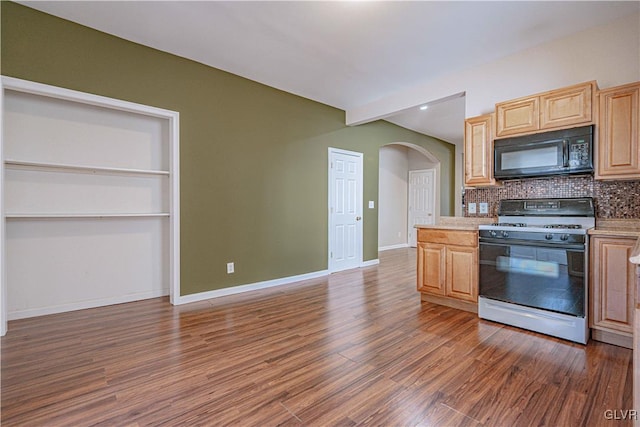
x=567, y=107
x=478, y=151
x=431, y=268
x=518, y=116
x=612, y=289
x=462, y=273
x=618, y=153
x=448, y=267
x=556, y=109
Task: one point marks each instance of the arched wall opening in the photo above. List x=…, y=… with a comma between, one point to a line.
x=397, y=159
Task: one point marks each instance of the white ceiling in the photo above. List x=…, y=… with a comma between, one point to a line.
x=345, y=53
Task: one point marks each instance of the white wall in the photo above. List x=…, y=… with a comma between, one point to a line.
x=392, y=196
x=417, y=161
x=87, y=195
x=395, y=163
x=608, y=54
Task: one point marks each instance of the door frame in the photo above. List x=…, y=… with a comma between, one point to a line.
x=173, y=120
x=359, y=206
x=434, y=186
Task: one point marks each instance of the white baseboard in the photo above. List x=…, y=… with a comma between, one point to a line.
x=370, y=263
x=388, y=248
x=201, y=296
x=81, y=305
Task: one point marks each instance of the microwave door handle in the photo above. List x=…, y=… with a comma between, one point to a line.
x=565, y=153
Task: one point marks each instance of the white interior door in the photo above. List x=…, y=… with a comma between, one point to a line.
x=345, y=209
x=422, y=192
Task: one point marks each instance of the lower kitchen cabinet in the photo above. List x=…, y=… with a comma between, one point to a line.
x=462, y=274
x=448, y=267
x=432, y=268
x=612, y=290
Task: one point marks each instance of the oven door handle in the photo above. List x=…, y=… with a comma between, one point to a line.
x=496, y=242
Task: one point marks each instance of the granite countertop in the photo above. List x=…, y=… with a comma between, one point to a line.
x=604, y=227
x=458, y=223
x=617, y=227
x=620, y=228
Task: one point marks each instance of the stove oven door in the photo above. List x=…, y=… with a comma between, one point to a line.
x=530, y=274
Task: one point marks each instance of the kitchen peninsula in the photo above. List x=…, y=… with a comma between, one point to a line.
x=448, y=262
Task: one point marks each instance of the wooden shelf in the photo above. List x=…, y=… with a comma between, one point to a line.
x=90, y=181
x=83, y=215
x=61, y=167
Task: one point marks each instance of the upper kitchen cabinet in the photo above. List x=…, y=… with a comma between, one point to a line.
x=567, y=107
x=519, y=116
x=618, y=153
x=556, y=109
x=478, y=151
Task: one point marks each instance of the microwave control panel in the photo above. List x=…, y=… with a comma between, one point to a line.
x=579, y=154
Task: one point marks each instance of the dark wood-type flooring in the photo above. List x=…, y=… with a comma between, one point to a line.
x=353, y=348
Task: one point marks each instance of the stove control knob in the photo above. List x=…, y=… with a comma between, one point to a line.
x=564, y=237
x=505, y=234
x=493, y=233
x=548, y=236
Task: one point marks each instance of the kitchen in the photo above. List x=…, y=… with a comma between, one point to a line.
x=550, y=237
x=215, y=135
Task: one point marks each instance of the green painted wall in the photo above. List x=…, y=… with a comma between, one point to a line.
x=253, y=159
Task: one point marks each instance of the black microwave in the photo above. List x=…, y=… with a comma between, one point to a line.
x=560, y=152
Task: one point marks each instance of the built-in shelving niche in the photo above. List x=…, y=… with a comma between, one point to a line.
x=90, y=201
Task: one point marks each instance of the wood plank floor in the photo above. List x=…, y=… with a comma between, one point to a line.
x=353, y=348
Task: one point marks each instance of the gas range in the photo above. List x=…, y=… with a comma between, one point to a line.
x=533, y=266
x=531, y=226
x=551, y=220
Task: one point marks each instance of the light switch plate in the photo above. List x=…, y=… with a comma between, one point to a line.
x=484, y=208
x=472, y=208
x=371, y=204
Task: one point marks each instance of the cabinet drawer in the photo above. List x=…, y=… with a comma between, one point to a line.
x=448, y=237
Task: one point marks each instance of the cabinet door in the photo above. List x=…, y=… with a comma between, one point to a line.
x=517, y=116
x=568, y=106
x=431, y=268
x=462, y=273
x=613, y=280
x=619, y=133
x=478, y=150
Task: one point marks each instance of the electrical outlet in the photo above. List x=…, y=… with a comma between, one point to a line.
x=472, y=208
x=484, y=208
x=371, y=204
x=230, y=268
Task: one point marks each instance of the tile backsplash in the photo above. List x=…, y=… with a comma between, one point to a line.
x=613, y=199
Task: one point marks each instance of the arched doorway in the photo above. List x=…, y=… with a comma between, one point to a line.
x=397, y=159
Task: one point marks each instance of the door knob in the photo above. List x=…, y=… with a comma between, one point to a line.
x=358, y=218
